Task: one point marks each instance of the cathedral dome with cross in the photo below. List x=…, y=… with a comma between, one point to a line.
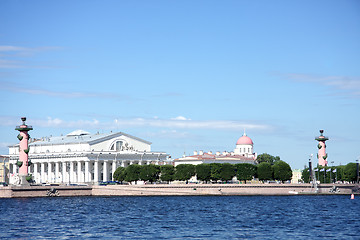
x=244, y=146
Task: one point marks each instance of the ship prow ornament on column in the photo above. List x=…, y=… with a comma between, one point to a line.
x=23, y=162
x=322, y=155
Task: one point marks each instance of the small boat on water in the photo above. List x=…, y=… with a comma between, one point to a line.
x=293, y=192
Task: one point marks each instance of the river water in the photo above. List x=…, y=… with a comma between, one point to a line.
x=195, y=217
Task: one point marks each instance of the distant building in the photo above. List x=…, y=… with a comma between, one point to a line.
x=243, y=153
x=81, y=157
x=4, y=169
x=296, y=176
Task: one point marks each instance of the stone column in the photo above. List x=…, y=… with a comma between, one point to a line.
x=57, y=172
x=123, y=163
x=36, y=174
x=79, y=175
x=49, y=172
x=96, y=171
x=87, y=173
x=42, y=173
x=105, y=171
x=14, y=168
x=71, y=171
x=63, y=179
x=113, y=169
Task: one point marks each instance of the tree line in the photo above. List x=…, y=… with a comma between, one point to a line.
x=332, y=174
x=212, y=172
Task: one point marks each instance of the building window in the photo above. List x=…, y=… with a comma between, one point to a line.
x=117, y=146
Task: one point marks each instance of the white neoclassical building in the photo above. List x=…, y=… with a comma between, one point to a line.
x=243, y=153
x=81, y=157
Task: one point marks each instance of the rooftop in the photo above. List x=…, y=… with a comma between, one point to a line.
x=79, y=136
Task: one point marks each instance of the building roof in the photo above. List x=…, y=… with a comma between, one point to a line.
x=77, y=133
x=80, y=136
x=208, y=156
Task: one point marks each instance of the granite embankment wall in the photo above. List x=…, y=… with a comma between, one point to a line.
x=215, y=189
x=174, y=190
x=42, y=191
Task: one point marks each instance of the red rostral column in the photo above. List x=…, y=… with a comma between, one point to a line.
x=322, y=155
x=24, y=149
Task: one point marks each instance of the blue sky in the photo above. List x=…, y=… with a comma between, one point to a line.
x=186, y=75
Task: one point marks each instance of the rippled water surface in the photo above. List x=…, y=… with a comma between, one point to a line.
x=207, y=217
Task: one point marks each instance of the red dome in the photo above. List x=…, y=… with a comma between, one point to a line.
x=244, y=140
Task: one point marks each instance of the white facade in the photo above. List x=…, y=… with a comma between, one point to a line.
x=244, y=149
x=80, y=157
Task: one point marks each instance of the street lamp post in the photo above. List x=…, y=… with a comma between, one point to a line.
x=4, y=171
x=357, y=171
x=310, y=170
x=332, y=164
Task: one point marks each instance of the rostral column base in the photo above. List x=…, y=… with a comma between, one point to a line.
x=23, y=181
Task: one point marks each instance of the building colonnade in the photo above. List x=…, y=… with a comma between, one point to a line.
x=81, y=169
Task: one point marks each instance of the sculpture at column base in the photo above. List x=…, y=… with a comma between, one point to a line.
x=23, y=180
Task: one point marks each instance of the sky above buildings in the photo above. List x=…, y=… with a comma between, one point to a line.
x=186, y=75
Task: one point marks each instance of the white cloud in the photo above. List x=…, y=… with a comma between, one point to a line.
x=138, y=122
x=20, y=52
x=11, y=49
x=344, y=84
x=180, y=118
x=26, y=49
x=9, y=86
x=9, y=64
x=56, y=122
x=168, y=134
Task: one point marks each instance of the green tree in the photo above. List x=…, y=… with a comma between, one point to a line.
x=184, y=172
x=167, y=173
x=282, y=171
x=119, y=174
x=132, y=173
x=149, y=173
x=305, y=175
x=324, y=174
x=203, y=172
x=215, y=171
x=339, y=175
x=264, y=171
x=227, y=172
x=267, y=158
x=245, y=171
x=350, y=172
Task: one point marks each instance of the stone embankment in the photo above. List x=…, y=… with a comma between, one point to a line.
x=175, y=190
x=218, y=189
x=44, y=191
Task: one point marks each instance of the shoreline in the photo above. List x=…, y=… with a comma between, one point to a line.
x=176, y=190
